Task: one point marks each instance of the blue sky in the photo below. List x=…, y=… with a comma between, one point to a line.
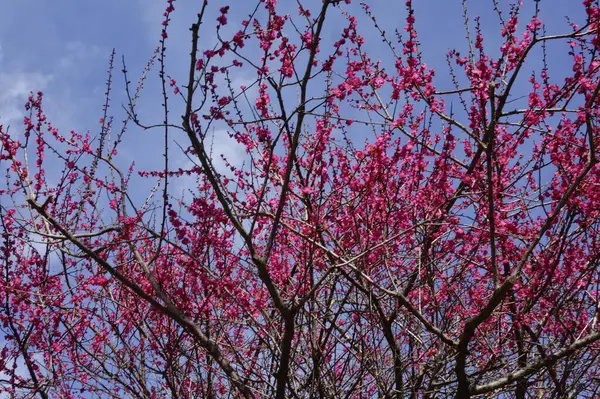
x=63, y=50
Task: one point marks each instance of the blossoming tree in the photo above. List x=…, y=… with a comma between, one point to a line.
x=377, y=236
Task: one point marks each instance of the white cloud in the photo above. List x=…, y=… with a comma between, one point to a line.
x=219, y=145
x=78, y=52
x=224, y=146
x=15, y=88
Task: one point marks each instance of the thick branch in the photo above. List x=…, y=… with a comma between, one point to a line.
x=536, y=366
